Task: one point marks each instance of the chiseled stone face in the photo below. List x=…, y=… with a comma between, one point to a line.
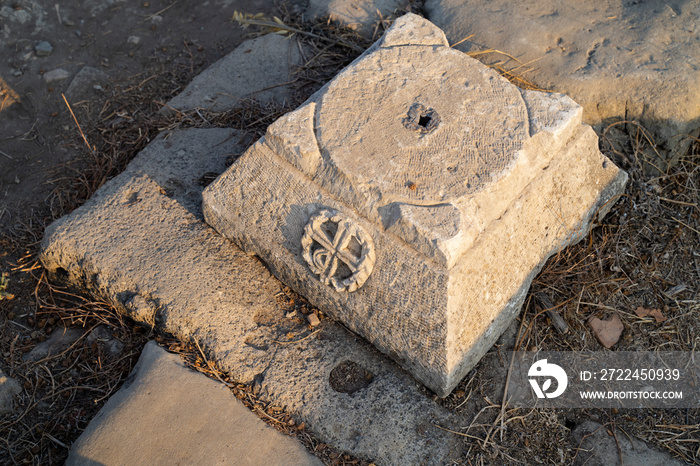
x=415, y=197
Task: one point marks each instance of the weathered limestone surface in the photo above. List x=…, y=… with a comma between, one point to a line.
x=631, y=60
x=415, y=197
x=141, y=243
x=168, y=414
x=259, y=68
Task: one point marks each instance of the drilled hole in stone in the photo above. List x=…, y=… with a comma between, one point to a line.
x=421, y=119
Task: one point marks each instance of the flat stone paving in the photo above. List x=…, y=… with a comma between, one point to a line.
x=166, y=413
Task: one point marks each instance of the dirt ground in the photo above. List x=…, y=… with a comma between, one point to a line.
x=645, y=254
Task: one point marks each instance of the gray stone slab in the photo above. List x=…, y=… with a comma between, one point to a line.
x=416, y=196
x=597, y=447
x=166, y=413
x=629, y=60
x=60, y=340
x=259, y=68
x=140, y=242
x=361, y=15
x=9, y=389
x=87, y=84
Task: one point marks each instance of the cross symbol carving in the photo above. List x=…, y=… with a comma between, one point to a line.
x=327, y=252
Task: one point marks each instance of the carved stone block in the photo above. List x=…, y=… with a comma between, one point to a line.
x=415, y=197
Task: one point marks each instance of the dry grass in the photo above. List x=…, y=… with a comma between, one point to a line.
x=643, y=254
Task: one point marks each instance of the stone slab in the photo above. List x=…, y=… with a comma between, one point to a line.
x=140, y=242
x=417, y=211
x=631, y=60
x=597, y=447
x=88, y=82
x=60, y=340
x=260, y=69
x=165, y=413
x=360, y=15
x=9, y=389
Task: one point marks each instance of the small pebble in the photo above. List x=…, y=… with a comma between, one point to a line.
x=313, y=320
x=59, y=74
x=16, y=73
x=43, y=49
x=134, y=40
x=157, y=19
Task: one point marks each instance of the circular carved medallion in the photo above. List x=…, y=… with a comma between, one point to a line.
x=338, y=250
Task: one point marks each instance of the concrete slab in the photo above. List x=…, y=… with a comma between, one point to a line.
x=166, y=413
x=630, y=60
x=140, y=242
x=259, y=68
x=417, y=211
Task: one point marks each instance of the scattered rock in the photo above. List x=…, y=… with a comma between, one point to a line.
x=655, y=313
x=313, y=320
x=597, y=447
x=9, y=388
x=134, y=40
x=607, y=331
x=104, y=338
x=157, y=19
x=631, y=60
x=59, y=74
x=169, y=414
x=259, y=69
x=43, y=49
x=360, y=15
x=82, y=86
x=60, y=340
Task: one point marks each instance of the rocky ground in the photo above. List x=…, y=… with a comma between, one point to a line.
x=116, y=63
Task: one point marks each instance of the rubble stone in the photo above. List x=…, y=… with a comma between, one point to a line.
x=9, y=388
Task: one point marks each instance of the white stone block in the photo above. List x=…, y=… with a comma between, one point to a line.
x=415, y=197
